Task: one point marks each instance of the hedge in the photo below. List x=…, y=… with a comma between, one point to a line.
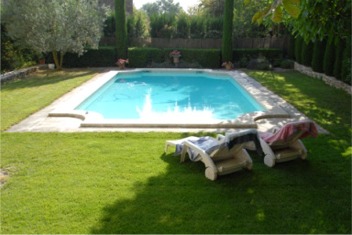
x=143, y=57
x=103, y=57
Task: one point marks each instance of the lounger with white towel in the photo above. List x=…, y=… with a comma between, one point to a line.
x=221, y=155
x=285, y=144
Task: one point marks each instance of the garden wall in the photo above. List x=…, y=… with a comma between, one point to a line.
x=327, y=79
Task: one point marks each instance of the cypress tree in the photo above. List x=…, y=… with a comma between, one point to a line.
x=298, y=48
x=346, y=62
x=121, y=28
x=318, y=55
x=338, y=58
x=307, y=53
x=328, y=63
x=226, y=48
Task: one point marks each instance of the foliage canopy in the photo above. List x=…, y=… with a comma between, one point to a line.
x=57, y=26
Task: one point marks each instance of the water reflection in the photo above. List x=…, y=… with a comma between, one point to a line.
x=175, y=113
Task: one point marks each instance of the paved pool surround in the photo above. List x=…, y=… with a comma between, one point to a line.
x=61, y=115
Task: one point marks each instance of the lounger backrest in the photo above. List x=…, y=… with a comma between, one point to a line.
x=291, y=132
x=234, y=142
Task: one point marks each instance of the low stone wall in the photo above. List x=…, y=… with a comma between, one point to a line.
x=327, y=79
x=21, y=73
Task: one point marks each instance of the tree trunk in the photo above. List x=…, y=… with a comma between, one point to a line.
x=58, y=61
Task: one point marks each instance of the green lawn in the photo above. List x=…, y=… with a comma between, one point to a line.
x=123, y=183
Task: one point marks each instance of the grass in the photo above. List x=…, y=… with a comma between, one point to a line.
x=20, y=98
x=123, y=183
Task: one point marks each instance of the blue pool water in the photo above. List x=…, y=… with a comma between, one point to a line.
x=152, y=95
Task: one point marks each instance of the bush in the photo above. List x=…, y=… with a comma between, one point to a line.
x=287, y=64
x=260, y=63
x=270, y=54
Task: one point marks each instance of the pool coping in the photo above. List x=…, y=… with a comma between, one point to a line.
x=95, y=120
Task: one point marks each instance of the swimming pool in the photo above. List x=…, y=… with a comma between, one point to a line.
x=163, y=96
x=206, y=101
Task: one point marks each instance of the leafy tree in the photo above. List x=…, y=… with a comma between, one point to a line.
x=214, y=8
x=227, y=35
x=183, y=26
x=121, y=28
x=312, y=20
x=162, y=7
x=57, y=26
x=138, y=25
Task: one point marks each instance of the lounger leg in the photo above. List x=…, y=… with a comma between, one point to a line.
x=298, y=145
x=210, y=173
x=269, y=158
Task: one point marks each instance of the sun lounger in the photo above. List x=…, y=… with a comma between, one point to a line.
x=221, y=155
x=284, y=144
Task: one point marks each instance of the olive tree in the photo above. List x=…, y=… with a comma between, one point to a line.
x=55, y=26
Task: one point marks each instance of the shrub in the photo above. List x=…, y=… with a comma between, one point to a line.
x=260, y=63
x=270, y=54
x=287, y=64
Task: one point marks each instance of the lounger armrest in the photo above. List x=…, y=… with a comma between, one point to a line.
x=220, y=138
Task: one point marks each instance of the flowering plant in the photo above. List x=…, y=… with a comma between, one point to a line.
x=122, y=61
x=227, y=65
x=175, y=53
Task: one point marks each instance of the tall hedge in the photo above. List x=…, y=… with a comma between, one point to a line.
x=121, y=28
x=318, y=56
x=226, y=48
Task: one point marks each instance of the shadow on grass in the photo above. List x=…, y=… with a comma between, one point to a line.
x=293, y=197
x=47, y=77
